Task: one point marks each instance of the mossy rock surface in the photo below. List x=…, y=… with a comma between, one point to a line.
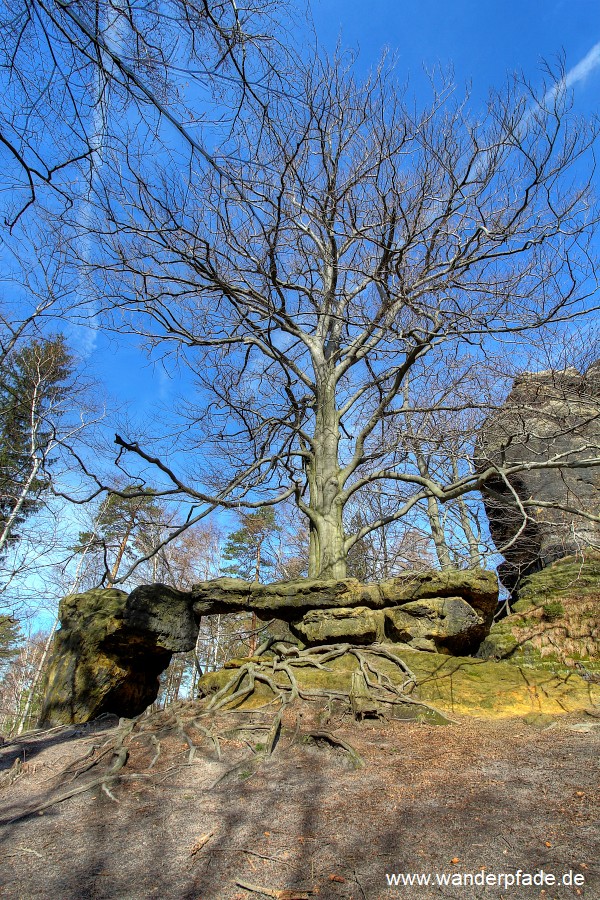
x=444, y=624
x=555, y=619
x=574, y=577
x=463, y=685
x=104, y=659
x=111, y=647
x=358, y=625
x=291, y=599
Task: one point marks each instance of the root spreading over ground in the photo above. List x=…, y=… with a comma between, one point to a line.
x=290, y=793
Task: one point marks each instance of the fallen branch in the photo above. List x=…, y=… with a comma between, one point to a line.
x=201, y=842
x=285, y=894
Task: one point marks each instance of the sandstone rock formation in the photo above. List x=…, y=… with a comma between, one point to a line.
x=548, y=416
x=359, y=625
x=111, y=647
x=290, y=600
x=556, y=618
x=453, y=684
x=437, y=624
x=442, y=624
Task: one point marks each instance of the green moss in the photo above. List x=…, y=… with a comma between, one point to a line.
x=463, y=685
x=553, y=610
x=522, y=606
x=555, y=619
x=539, y=720
x=525, y=622
x=498, y=645
x=568, y=577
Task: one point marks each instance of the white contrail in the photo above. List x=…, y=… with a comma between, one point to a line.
x=583, y=68
x=114, y=36
x=579, y=72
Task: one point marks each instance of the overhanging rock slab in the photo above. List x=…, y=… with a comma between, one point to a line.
x=111, y=647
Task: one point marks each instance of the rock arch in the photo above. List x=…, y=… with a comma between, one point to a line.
x=111, y=646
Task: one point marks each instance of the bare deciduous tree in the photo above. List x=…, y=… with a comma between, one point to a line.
x=73, y=72
x=348, y=278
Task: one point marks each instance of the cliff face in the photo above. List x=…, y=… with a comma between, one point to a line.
x=548, y=417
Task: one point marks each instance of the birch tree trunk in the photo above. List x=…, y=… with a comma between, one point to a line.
x=6, y=531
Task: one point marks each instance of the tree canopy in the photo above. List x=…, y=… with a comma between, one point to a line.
x=34, y=383
x=246, y=548
x=345, y=287
x=352, y=280
x=122, y=530
x=74, y=74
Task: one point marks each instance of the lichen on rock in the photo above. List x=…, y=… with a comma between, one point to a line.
x=442, y=624
x=452, y=684
x=547, y=416
x=111, y=647
x=98, y=663
x=359, y=625
x=556, y=616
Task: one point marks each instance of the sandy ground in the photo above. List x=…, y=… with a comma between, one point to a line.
x=306, y=821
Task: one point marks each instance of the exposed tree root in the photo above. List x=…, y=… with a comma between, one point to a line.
x=103, y=781
x=333, y=741
x=15, y=772
x=277, y=672
x=274, y=733
x=372, y=693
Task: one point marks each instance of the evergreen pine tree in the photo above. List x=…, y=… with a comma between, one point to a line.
x=246, y=548
x=121, y=520
x=33, y=386
x=10, y=642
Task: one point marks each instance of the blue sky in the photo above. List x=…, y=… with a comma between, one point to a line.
x=481, y=41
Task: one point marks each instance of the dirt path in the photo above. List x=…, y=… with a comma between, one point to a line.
x=504, y=795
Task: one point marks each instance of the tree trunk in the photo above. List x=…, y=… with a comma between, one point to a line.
x=437, y=533
x=474, y=552
x=435, y=519
x=216, y=644
x=19, y=504
x=115, y=570
x=327, y=551
x=37, y=677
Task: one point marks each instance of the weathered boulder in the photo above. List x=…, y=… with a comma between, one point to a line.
x=436, y=624
x=448, y=611
x=163, y=612
x=359, y=625
x=110, y=650
x=442, y=624
x=548, y=416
